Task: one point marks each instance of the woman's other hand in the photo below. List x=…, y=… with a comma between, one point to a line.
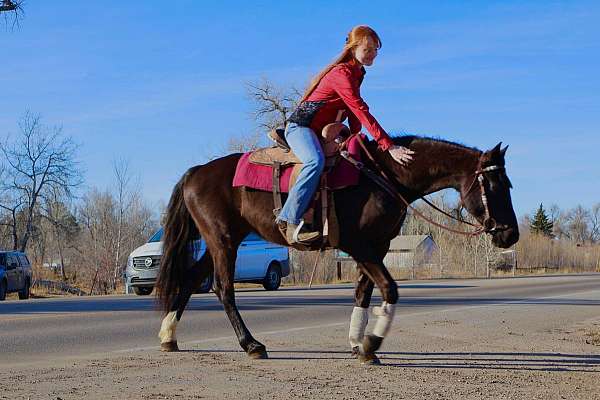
x=401, y=154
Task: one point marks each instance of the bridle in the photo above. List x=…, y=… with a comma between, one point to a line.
x=489, y=223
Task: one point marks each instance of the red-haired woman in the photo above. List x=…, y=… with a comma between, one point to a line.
x=335, y=89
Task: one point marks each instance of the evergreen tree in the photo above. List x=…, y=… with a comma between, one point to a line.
x=541, y=224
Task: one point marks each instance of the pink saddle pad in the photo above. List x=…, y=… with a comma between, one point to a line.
x=260, y=177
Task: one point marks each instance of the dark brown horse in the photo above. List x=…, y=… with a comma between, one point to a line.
x=204, y=202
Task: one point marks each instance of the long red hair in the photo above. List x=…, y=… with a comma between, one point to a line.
x=353, y=40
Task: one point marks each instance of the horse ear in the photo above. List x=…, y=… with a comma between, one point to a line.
x=503, y=151
x=496, y=149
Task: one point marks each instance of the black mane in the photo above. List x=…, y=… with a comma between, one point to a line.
x=407, y=140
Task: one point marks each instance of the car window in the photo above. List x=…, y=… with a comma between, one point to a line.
x=23, y=259
x=10, y=259
x=3, y=259
x=157, y=237
x=253, y=237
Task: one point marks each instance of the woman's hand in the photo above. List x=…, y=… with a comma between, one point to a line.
x=401, y=154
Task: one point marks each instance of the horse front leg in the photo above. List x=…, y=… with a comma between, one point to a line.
x=224, y=261
x=199, y=271
x=360, y=314
x=377, y=273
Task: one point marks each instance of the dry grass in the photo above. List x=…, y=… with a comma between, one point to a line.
x=461, y=257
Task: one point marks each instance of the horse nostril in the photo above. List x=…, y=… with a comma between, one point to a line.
x=489, y=224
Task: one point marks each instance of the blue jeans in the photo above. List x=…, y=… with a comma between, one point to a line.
x=304, y=143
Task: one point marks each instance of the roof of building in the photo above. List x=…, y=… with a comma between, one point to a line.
x=408, y=242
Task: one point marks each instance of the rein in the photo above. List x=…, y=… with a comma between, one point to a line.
x=384, y=182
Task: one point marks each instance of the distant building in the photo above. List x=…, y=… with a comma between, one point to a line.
x=411, y=251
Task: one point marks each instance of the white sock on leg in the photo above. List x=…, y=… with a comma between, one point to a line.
x=167, y=328
x=385, y=316
x=358, y=324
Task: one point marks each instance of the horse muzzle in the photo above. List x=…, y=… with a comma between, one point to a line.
x=503, y=235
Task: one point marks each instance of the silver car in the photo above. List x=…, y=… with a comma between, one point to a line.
x=258, y=261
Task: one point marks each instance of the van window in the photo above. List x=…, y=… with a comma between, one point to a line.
x=253, y=237
x=3, y=259
x=157, y=237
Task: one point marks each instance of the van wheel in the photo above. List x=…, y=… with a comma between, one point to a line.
x=2, y=290
x=142, y=291
x=24, y=294
x=272, y=279
x=206, y=285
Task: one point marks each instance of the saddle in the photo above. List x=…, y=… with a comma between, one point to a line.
x=329, y=134
x=280, y=156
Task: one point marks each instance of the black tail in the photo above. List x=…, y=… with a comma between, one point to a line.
x=179, y=231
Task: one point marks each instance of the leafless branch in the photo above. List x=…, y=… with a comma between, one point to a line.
x=273, y=105
x=13, y=12
x=40, y=162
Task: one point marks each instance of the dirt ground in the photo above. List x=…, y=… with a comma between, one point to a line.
x=439, y=359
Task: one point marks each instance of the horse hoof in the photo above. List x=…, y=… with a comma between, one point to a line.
x=169, y=346
x=355, y=352
x=260, y=354
x=257, y=351
x=369, y=359
x=371, y=344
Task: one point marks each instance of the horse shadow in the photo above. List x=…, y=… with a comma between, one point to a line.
x=510, y=361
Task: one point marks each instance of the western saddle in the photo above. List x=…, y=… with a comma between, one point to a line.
x=279, y=156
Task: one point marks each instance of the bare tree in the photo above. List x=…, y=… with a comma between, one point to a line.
x=595, y=223
x=273, y=105
x=39, y=163
x=95, y=216
x=578, y=219
x=101, y=250
x=243, y=143
x=13, y=12
x=10, y=203
x=559, y=222
x=124, y=201
x=63, y=226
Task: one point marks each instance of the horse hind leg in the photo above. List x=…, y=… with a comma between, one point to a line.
x=224, y=261
x=197, y=273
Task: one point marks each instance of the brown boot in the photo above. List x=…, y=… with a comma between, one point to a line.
x=300, y=234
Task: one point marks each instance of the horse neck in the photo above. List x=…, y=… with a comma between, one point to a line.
x=436, y=165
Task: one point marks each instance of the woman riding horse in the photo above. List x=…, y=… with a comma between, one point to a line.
x=205, y=202
x=335, y=91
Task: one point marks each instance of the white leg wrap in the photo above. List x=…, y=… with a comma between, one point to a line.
x=385, y=316
x=167, y=328
x=358, y=324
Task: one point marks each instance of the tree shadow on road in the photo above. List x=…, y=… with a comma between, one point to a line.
x=209, y=302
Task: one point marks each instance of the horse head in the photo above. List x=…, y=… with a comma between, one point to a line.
x=486, y=195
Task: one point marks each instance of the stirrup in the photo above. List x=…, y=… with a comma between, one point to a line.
x=297, y=232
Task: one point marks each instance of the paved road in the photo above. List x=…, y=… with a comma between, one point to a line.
x=42, y=330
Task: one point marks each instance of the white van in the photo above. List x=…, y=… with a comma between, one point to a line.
x=258, y=261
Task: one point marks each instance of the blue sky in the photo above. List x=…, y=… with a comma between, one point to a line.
x=162, y=83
